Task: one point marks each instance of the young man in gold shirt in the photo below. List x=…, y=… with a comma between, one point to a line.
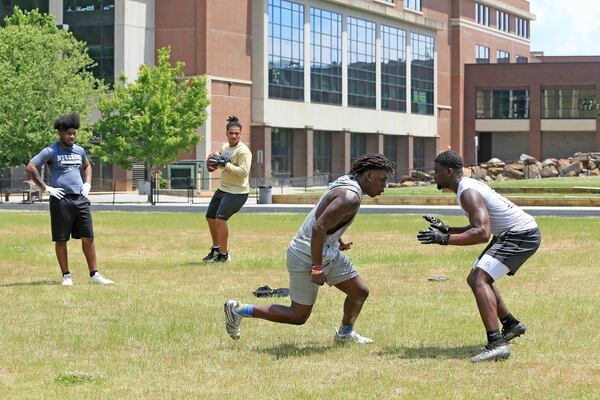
x=233, y=161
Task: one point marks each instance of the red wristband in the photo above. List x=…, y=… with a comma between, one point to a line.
x=316, y=269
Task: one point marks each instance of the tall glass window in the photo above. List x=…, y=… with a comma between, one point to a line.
x=422, y=77
x=286, y=50
x=93, y=21
x=503, y=104
x=390, y=150
x=281, y=152
x=522, y=27
x=393, y=69
x=502, y=57
x=522, y=60
x=565, y=103
x=326, y=57
x=413, y=4
x=361, y=67
x=358, y=146
x=482, y=14
x=482, y=54
x=419, y=153
x=321, y=153
x=6, y=7
x=502, y=19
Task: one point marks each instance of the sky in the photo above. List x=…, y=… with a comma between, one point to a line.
x=566, y=27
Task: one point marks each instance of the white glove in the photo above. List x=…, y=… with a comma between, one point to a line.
x=85, y=189
x=59, y=193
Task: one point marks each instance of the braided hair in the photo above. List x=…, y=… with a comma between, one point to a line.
x=450, y=159
x=371, y=161
x=233, y=121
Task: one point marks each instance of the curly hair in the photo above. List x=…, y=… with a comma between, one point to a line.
x=66, y=122
x=371, y=161
x=233, y=121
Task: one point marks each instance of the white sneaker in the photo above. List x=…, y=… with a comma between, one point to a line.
x=100, y=280
x=67, y=280
x=232, y=320
x=351, y=337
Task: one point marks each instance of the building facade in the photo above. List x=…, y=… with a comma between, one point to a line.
x=545, y=109
x=315, y=83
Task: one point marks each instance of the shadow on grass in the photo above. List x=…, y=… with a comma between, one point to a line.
x=431, y=352
x=291, y=350
x=31, y=283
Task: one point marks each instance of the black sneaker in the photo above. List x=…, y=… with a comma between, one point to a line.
x=515, y=331
x=222, y=258
x=492, y=352
x=211, y=256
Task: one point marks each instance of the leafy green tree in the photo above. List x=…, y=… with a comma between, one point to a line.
x=152, y=119
x=44, y=73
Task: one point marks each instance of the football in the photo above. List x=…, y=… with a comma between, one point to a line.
x=211, y=165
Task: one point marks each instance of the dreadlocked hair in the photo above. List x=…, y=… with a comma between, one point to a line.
x=66, y=122
x=371, y=161
x=450, y=159
x=233, y=121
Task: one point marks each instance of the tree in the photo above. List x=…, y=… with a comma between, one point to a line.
x=152, y=119
x=44, y=73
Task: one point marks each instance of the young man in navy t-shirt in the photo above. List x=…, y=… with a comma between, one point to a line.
x=69, y=204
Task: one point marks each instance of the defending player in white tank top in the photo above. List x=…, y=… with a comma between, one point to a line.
x=300, y=244
x=504, y=214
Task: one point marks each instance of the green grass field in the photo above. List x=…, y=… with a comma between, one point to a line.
x=159, y=332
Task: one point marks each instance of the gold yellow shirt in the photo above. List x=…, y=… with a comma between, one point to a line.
x=234, y=175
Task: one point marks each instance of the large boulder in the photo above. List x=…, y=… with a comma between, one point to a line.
x=494, y=162
x=495, y=170
x=527, y=159
x=512, y=173
x=549, y=171
x=571, y=169
x=595, y=172
x=467, y=172
x=533, y=171
x=421, y=176
x=516, y=165
x=549, y=161
x=480, y=173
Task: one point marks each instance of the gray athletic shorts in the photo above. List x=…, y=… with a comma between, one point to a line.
x=512, y=248
x=302, y=289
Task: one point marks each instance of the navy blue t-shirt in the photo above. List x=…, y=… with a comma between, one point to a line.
x=65, y=165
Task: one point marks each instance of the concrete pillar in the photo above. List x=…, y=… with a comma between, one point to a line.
x=302, y=158
x=535, y=124
x=340, y=153
x=404, y=155
x=261, y=153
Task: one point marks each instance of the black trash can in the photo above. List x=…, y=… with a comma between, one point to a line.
x=264, y=195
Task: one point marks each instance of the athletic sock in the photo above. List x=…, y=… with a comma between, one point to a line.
x=66, y=273
x=495, y=337
x=92, y=273
x=216, y=248
x=509, y=321
x=345, y=329
x=245, y=310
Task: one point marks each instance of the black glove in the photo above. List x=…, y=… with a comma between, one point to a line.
x=436, y=223
x=220, y=160
x=432, y=236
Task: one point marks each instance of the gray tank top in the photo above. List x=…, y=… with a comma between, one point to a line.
x=300, y=244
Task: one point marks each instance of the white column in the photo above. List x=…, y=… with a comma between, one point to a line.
x=378, y=55
x=408, y=73
x=345, y=59
x=55, y=8
x=307, y=55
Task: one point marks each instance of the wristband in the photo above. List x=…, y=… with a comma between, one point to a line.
x=316, y=269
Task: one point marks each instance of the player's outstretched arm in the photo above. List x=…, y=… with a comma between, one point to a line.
x=437, y=223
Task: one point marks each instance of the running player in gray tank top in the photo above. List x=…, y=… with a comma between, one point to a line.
x=314, y=255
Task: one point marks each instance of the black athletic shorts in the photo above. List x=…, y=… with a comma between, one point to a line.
x=70, y=217
x=513, y=248
x=223, y=205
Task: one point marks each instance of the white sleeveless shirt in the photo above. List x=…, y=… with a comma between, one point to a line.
x=504, y=214
x=300, y=244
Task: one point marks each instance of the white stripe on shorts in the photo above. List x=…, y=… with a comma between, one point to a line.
x=494, y=267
